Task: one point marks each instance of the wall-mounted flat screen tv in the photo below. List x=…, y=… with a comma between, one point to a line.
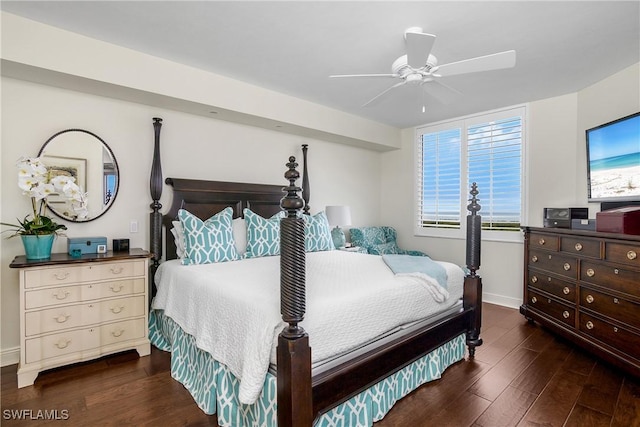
x=613, y=160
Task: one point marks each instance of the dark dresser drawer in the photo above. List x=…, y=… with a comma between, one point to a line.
x=623, y=254
x=560, y=288
x=560, y=312
x=611, y=277
x=544, y=241
x=611, y=306
x=615, y=336
x=562, y=265
x=581, y=246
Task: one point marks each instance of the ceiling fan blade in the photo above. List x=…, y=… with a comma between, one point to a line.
x=440, y=91
x=378, y=96
x=363, y=75
x=419, y=47
x=494, y=61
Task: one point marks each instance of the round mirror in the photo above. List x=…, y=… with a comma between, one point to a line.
x=84, y=156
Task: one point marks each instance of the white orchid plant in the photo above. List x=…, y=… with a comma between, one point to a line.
x=35, y=181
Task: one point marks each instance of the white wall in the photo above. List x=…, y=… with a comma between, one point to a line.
x=556, y=177
x=192, y=147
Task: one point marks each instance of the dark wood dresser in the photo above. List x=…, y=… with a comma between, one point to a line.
x=585, y=285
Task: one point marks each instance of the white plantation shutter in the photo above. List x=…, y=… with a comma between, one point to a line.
x=486, y=149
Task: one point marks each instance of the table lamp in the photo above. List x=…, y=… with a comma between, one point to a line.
x=338, y=216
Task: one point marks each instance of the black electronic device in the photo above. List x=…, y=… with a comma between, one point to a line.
x=561, y=217
x=120, y=245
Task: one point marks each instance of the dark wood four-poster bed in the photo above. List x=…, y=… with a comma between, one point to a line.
x=355, y=387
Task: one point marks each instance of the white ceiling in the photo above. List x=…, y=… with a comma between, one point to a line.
x=292, y=47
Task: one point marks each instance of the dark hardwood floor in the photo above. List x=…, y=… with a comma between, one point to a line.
x=522, y=376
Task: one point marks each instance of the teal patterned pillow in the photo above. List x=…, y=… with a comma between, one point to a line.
x=208, y=241
x=263, y=235
x=384, y=248
x=317, y=233
x=367, y=236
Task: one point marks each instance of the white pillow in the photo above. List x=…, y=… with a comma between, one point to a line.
x=178, y=237
x=239, y=226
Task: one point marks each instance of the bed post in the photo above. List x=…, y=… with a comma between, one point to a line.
x=155, y=220
x=306, y=191
x=472, y=297
x=293, y=353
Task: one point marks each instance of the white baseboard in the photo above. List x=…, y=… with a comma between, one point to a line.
x=502, y=300
x=10, y=356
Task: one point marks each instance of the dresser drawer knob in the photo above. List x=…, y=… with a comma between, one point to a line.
x=116, y=270
x=534, y=279
x=534, y=300
x=61, y=294
x=615, y=329
x=589, y=299
x=616, y=271
x=590, y=272
x=566, y=290
x=578, y=247
x=548, y=300
x=61, y=276
x=632, y=255
x=63, y=343
x=589, y=324
x=117, y=309
x=565, y=314
x=541, y=241
x=566, y=266
x=118, y=289
x=616, y=301
x=62, y=318
x=534, y=259
x=117, y=333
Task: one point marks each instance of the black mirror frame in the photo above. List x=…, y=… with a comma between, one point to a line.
x=115, y=162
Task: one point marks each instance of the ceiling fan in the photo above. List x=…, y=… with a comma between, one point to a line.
x=420, y=68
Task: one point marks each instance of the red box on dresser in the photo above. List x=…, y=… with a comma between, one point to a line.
x=624, y=220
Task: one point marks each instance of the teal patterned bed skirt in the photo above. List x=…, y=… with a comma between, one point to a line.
x=215, y=389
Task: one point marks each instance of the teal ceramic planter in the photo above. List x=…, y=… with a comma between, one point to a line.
x=38, y=246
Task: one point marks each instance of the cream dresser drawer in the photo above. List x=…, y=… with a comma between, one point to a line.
x=79, y=340
x=77, y=309
x=77, y=293
x=72, y=316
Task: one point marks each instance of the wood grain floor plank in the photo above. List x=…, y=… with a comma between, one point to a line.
x=582, y=416
x=627, y=412
x=602, y=389
x=507, y=409
x=538, y=374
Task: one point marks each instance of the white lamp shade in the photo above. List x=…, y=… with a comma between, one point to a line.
x=338, y=216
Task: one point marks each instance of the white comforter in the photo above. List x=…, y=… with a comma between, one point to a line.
x=233, y=308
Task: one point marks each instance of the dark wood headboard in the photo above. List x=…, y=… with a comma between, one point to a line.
x=206, y=198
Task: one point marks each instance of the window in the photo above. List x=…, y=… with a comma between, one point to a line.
x=486, y=149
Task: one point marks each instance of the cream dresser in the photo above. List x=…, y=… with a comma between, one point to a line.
x=76, y=309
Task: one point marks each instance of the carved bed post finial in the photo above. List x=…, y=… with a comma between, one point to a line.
x=474, y=226
x=295, y=404
x=155, y=187
x=306, y=191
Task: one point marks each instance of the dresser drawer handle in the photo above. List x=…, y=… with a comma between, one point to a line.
x=534, y=300
x=632, y=255
x=113, y=288
x=62, y=344
x=565, y=314
x=590, y=272
x=589, y=299
x=578, y=247
x=616, y=301
x=116, y=270
x=62, y=276
x=541, y=241
x=117, y=333
x=62, y=318
x=566, y=290
x=566, y=266
x=589, y=325
x=117, y=309
x=534, y=258
x=534, y=279
x=61, y=294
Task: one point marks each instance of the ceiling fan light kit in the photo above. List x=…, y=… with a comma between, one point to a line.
x=419, y=67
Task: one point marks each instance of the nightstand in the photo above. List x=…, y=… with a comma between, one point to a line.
x=76, y=309
x=357, y=249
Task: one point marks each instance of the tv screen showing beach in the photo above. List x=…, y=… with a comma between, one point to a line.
x=613, y=152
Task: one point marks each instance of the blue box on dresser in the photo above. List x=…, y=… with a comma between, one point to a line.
x=87, y=245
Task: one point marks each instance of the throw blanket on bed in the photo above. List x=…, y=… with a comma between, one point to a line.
x=233, y=308
x=433, y=276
